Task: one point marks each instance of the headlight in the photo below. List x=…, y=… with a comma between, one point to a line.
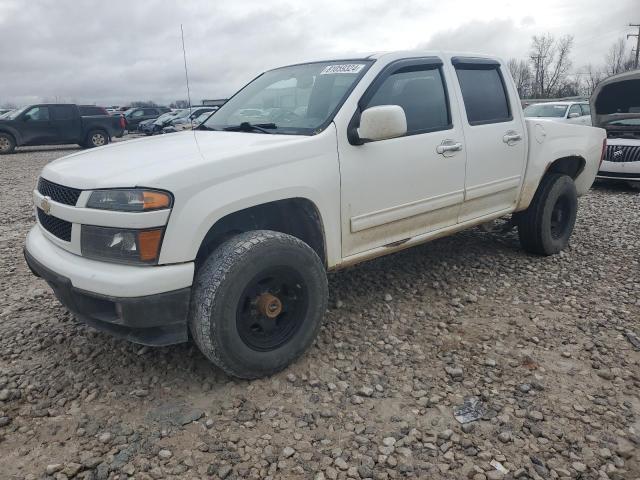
x=140, y=247
x=129, y=200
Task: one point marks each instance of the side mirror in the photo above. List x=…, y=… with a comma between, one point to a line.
x=26, y=118
x=574, y=115
x=382, y=123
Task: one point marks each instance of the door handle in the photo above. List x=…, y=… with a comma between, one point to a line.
x=448, y=146
x=511, y=137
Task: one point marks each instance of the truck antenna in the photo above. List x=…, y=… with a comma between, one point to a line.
x=186, y=72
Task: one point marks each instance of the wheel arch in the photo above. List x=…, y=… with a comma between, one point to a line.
x=296, y=216
x=14, y=134
x=571, y=165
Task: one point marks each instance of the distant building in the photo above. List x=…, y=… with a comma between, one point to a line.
x=214, y=103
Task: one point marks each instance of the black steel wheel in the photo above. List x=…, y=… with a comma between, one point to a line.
x=258, y=302
x=272, y=308
x=546, y=226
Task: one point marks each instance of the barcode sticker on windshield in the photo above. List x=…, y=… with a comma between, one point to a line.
x=345, y=68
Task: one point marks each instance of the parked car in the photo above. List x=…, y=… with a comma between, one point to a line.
x=234, y=225
x=185, y=120
x=615, y=106
x=568, y=112
x=4, y=110
x=56, y=124
x=150, y=127
x=134, y=116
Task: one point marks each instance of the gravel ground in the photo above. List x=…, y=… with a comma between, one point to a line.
x=545, y=346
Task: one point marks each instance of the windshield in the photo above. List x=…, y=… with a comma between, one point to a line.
x=545, y=110
x=298, y=99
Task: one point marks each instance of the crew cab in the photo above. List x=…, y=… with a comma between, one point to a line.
x=615, y=104
x=227, y=232
x=57, y=124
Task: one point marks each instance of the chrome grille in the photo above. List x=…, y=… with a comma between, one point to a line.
x=58, y=193
x=622, y=153
x=56, y=226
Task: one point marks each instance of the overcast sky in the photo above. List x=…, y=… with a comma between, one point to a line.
x=118, y=51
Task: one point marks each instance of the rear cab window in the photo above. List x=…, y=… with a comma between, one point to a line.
x=62, y=112
x=483, y=91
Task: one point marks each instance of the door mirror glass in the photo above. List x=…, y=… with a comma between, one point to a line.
x=382, y=122
x=574, y=115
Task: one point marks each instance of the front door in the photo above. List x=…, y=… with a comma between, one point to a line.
x=38, y=128
x=399, y=188
x=495, y=140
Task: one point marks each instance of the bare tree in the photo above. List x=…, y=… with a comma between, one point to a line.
x=618, y=59
x=593, y=76
x=550, y=62
x=521, y=76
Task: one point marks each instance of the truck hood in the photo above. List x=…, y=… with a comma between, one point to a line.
x=158, y=161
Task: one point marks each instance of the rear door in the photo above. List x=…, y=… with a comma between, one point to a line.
x=66, y=121
x=494, y=134
x=37, y=128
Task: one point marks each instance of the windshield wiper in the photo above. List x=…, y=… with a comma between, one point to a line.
x=202, y=126
x=251, y=127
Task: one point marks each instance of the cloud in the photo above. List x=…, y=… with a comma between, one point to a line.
x=120, y=51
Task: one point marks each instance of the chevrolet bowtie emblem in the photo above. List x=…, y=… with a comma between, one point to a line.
x=45, y=206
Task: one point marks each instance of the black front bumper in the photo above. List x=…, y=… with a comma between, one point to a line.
x=154, y=320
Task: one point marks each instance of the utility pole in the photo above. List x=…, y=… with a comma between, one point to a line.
x=637, y=35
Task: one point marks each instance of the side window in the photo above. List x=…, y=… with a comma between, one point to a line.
x=574, y=109
x=484, y=94
x=150, y=112
x=38, y=114
x=87, y=111
x=420, y=91
x=137, y=113
x=586, y=110
x=62, y=112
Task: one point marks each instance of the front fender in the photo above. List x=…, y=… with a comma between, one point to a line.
x=13, y=132
x=305, y=171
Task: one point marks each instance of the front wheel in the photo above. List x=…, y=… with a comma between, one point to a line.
x=258, y=303
x=7, y=144
x=545, y=227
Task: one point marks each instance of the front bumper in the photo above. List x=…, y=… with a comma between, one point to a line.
x=151, y=318
x=629, y=171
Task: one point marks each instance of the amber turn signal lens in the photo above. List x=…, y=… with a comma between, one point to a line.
x=149, y=244
x=154, y=200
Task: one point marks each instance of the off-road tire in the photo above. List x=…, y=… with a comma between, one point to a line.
x=542, y=230
x=7, y=144
x=220, y=284
x=96, y=138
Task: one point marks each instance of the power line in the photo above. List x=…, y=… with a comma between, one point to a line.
x=637, y=35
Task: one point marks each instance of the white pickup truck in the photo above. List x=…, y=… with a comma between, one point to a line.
x=227, y=232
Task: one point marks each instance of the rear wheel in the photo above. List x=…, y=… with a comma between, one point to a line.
x=545, y=227
x=7, y=144
x=96, y=138
x=258, y=303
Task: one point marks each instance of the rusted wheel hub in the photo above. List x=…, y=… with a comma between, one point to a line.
x=269, y=305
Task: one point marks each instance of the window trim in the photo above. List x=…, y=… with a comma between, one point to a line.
x=429, y=63
x=40, y=107
x=475, y=63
